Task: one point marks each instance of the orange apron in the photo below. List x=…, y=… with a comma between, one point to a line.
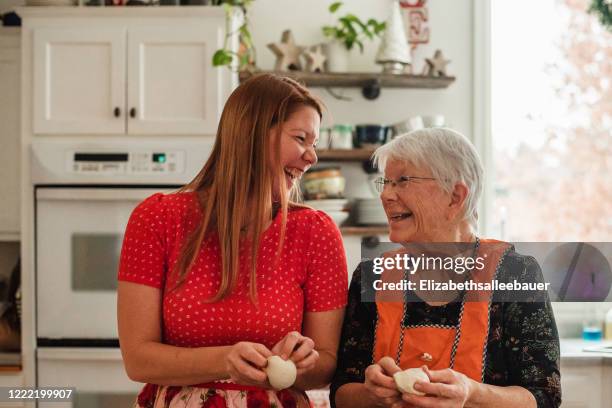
x=461, y=347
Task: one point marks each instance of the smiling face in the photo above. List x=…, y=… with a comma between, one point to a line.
x=421, y=211
x=298, y=138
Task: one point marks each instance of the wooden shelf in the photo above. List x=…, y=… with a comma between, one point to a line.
x=365, y=230
x=344, y=154
x=360, y=79
x=10, y=368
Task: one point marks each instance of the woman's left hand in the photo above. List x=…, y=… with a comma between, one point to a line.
x=448, y=389
x=299, y=349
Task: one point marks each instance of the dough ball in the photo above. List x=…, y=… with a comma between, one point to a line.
x=404, y=380
x=281, y=373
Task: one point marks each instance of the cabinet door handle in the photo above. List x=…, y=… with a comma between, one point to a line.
x=133, y=113
x=117, y=112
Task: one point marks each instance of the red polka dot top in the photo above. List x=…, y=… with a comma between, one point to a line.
x=310, y=276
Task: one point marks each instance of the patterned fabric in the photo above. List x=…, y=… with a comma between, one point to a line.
x=522, y=347
x=154, y=396
x=310, y=276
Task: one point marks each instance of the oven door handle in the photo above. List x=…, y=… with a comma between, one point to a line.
x=96, y=194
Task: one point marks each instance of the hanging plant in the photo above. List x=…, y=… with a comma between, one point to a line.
x=603, y=9
x=245, y=56
x=350, y=30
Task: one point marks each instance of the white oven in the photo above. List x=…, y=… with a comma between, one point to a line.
x=84, y=194
x=79, y=231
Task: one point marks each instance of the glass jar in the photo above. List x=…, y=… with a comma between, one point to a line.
x=342, y=137
x=592, y=325
x=324, y=138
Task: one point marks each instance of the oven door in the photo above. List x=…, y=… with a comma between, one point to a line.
x=96, y=375
x=79, y=232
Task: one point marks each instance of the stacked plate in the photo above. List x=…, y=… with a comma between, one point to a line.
x=51, y=2
x=369, y=211
x=335, y=208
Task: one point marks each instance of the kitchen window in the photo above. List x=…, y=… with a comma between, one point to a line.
x=551, y=115
x=550, y=152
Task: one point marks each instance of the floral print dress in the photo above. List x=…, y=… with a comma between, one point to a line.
x=223, y=395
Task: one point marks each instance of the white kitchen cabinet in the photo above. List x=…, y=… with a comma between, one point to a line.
x=11, y=379
x=581, y=386
x=606, y=396
x=172, y=85
x=134, y=77
x=586, y=376
x=10, y=63
x=79, y=80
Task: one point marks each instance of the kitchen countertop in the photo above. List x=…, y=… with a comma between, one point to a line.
x=573, y=351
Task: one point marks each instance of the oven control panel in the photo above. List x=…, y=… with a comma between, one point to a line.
x=132, y=162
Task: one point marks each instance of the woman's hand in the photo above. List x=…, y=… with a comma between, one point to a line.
x=380, y=384
x=299, y=349
x=448, y=389
x=245, y=362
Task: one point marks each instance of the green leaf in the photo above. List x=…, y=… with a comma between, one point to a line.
x=348, y=43
x=335, y=6
x=244, y=60
x=354, y=19
x=329, y=31
x=221, y=57
x=244, y=31
x=348, y=26
x=245, y=36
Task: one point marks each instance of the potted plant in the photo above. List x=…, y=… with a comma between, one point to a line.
x=349, y=31
x=245, y=56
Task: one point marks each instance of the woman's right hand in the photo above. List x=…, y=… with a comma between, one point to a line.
x=380, y=384
x=245, y=363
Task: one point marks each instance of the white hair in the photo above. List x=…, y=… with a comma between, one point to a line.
x=448, y=154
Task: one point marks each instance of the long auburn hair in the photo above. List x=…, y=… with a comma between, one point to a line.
x=240, y=172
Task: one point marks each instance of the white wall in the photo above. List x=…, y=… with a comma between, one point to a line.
x=10, y=5
x=451, y=31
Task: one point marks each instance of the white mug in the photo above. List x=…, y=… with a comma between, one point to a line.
x=434, y=121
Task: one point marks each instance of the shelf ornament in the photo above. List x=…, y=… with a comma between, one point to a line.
x=436, y=66
x=315, y=59
x=287, y=53
x=394, y=51
x=416, y=19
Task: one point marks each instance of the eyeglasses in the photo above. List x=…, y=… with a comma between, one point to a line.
x=402, y=182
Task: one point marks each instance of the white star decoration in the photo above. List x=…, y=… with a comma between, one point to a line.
x=436, y=66
x=287, y=53
x=315, y=59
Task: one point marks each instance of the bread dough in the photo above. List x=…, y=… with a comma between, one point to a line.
x=404, y=380
x=281, y=373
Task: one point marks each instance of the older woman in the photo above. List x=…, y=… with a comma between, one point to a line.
x=480, y=353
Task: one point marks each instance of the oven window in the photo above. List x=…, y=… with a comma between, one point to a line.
x=95, y=259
